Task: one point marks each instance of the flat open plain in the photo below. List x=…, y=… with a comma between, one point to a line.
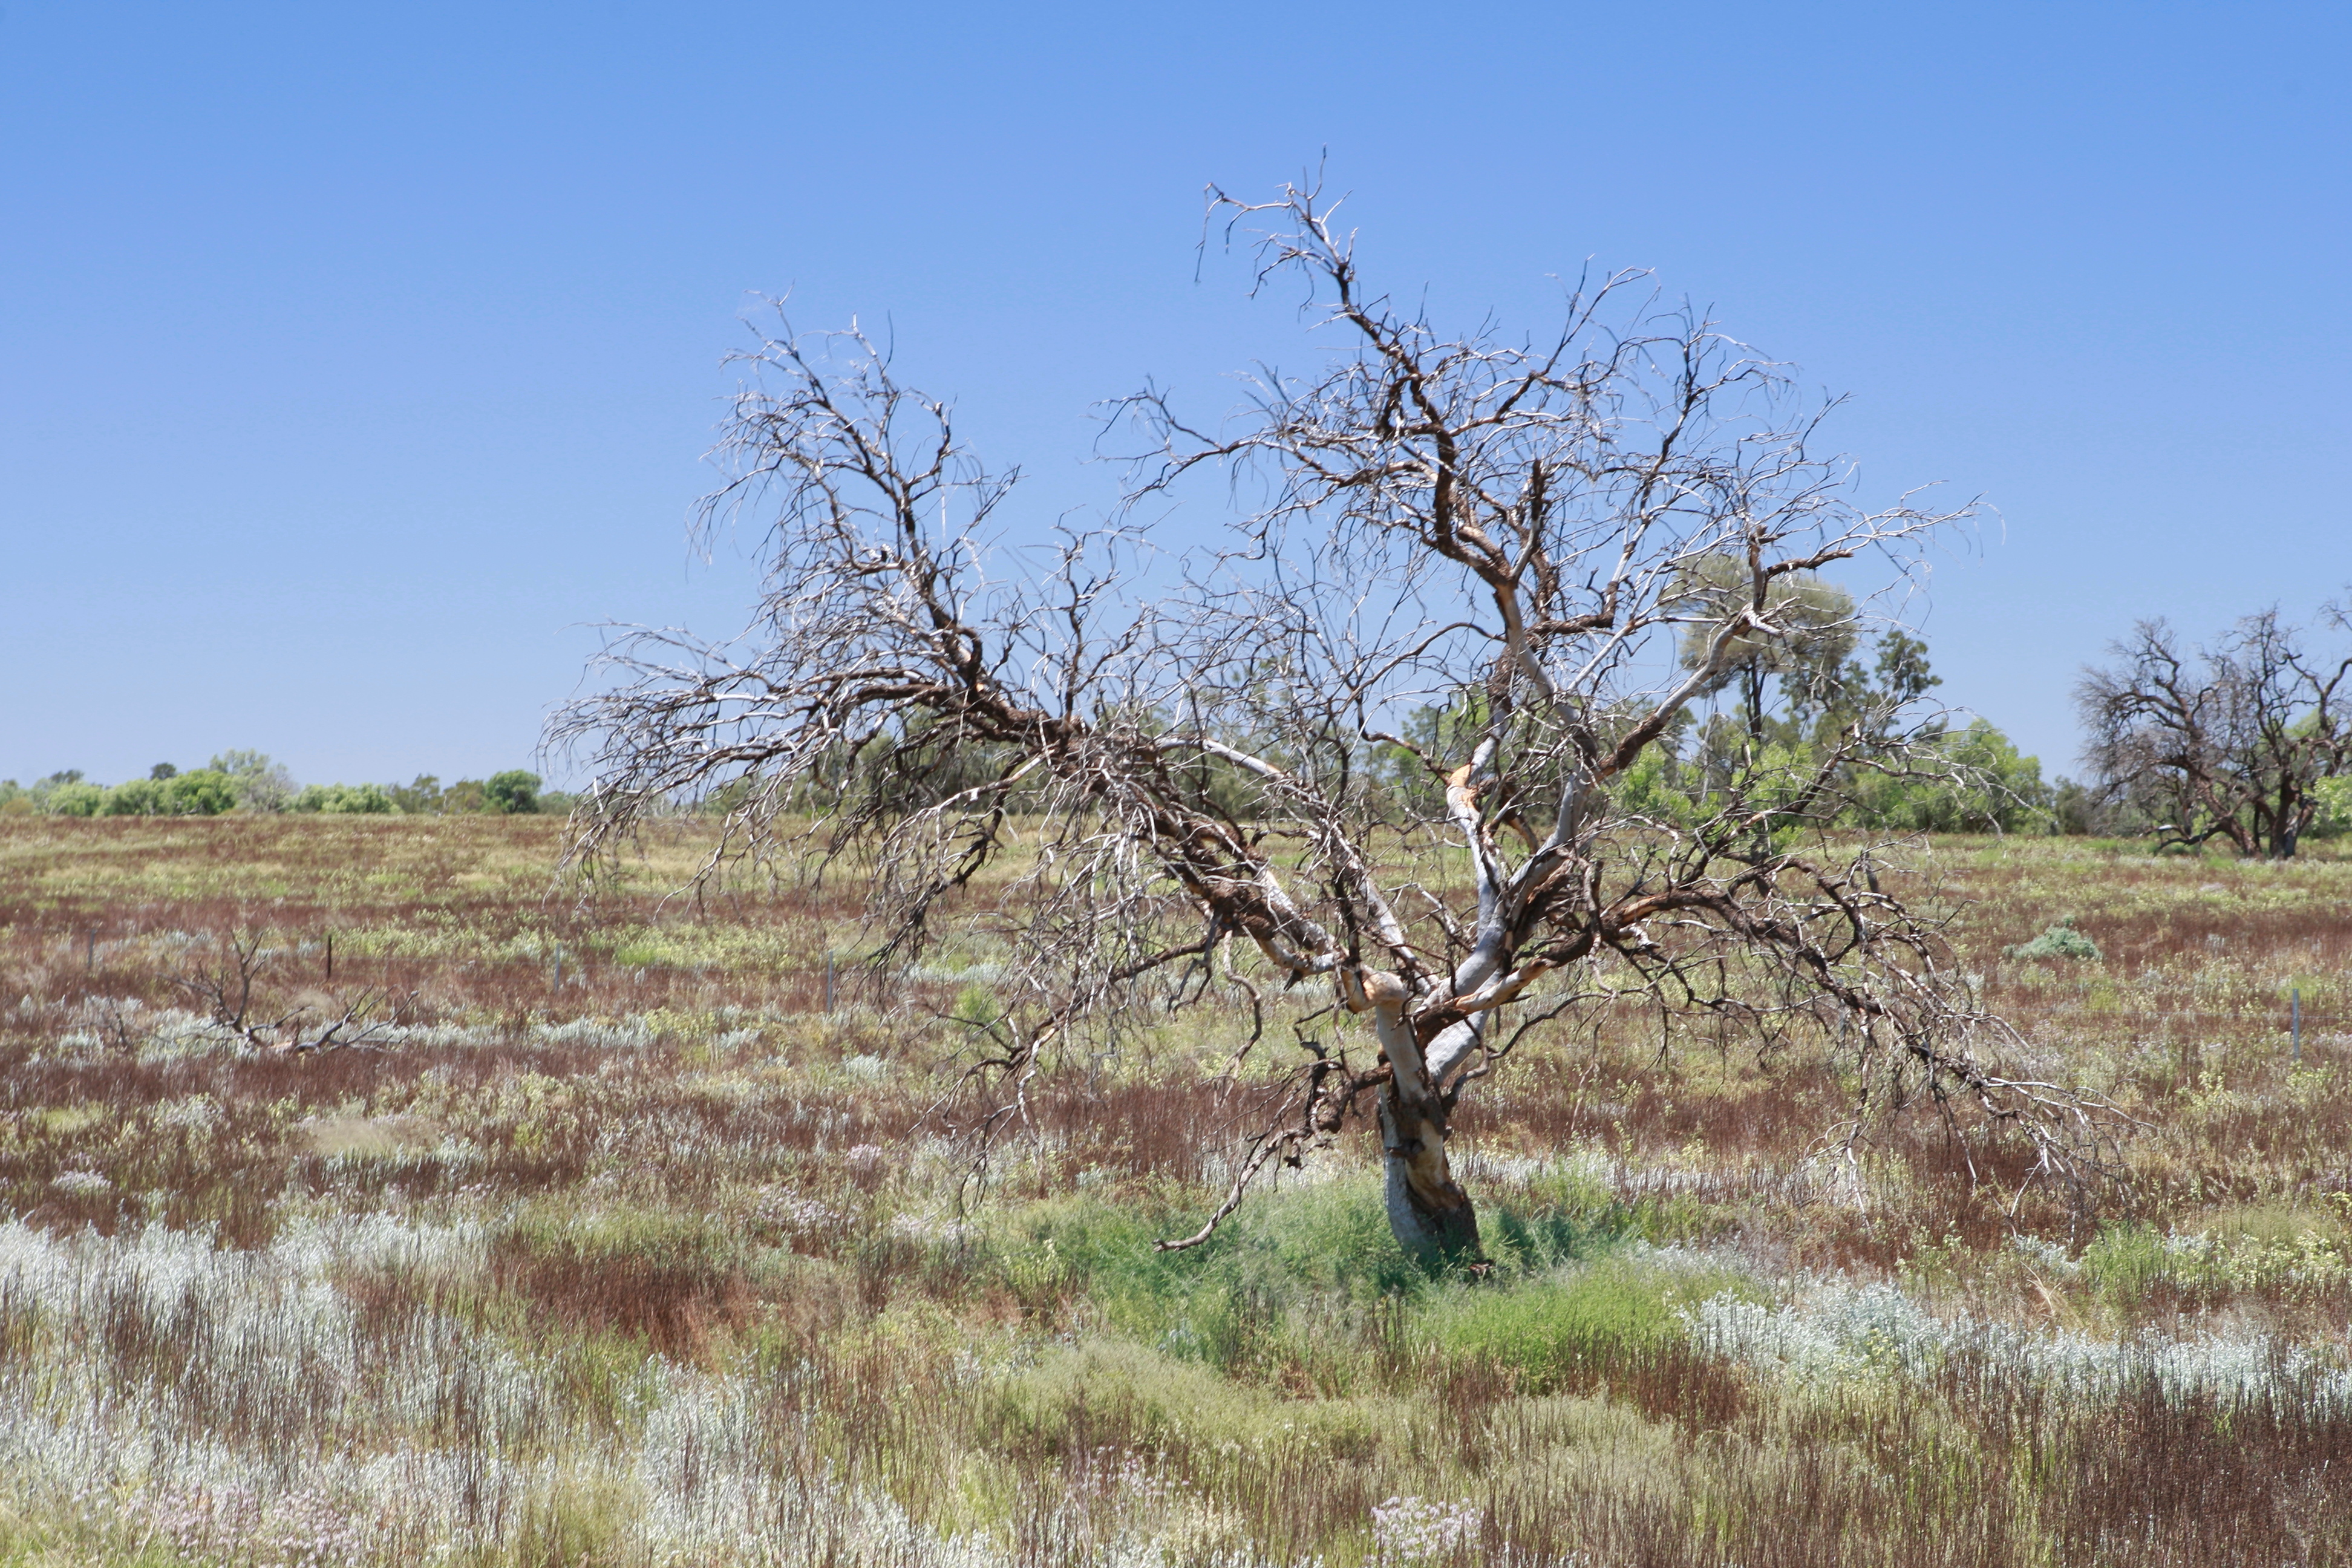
x=658, y=1262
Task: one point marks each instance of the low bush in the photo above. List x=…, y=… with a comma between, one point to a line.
x=2061, y=941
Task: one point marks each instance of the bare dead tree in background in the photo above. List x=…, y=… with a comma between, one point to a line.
x=236, y=993
x=1175, y=755
x=2231, y=742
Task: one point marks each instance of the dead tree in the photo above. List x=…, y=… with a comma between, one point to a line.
x=1182, y=757
x=2230, y=742
x=236, y=997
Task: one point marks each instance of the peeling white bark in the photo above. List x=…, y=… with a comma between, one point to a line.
x=1427, y=1209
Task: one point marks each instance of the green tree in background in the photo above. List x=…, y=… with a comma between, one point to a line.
x=513, y=792
x=421, y=794
x=76, y=800
x=1901, y=669
x=208, y=791
x=340, y=800
x=1973, y=781
x=260, y=783
x=135, y=797
x=1790, y=709
x=66, y=793
x=1814, y=617
x=204, y=793
x=2335, y=818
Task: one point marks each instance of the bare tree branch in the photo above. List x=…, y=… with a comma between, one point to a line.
x=1559, y=547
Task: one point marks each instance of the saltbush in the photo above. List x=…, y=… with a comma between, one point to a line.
x=2061, y=941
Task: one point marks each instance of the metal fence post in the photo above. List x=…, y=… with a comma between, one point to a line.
x=2294, y=1002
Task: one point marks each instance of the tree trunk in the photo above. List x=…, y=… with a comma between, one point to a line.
x=1428, y=1210
x=2286, y=822
x=1431, y=1215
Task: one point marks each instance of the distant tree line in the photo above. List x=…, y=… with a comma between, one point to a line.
x=1780, y=707
x=2247, y=741
x=251, y=782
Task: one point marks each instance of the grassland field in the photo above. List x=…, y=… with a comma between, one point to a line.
x=611, y=1246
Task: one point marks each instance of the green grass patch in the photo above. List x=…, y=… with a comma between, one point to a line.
x=1545, y=1331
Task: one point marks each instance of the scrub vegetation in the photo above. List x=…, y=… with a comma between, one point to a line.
x=609, y=1244
x=249, y=781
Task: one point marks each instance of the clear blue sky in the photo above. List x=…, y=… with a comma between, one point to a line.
x=357, y=358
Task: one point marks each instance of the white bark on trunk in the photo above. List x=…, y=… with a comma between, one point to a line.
x=1432, y=1215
